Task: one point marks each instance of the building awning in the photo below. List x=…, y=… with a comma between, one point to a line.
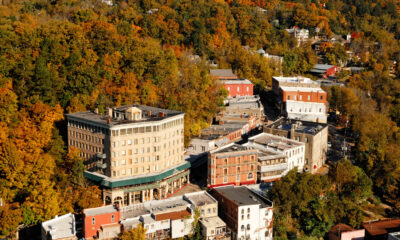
x=114, y=183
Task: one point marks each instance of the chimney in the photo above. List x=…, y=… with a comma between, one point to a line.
x=292, y=131
x=109, y=112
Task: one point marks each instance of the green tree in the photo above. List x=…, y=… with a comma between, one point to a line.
x=138, y=233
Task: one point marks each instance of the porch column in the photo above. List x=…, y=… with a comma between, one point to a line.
x=151, y=194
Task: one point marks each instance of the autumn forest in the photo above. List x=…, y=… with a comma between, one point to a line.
x=64, y=56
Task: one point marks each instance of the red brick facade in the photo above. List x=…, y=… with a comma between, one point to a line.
x=316, y=97
x=237, y=168
x=239, y=89
x=92, y=224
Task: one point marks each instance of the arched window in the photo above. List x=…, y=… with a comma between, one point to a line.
x=250, y=176
x=118, y=200
x=242, y=228
x=107, y=200
x=248, y=210
x=248, y=227
x=242, y=211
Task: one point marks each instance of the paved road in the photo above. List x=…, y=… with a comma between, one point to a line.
x=337, y=139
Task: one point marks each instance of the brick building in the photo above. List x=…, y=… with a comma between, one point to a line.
x=300, y=98
x=238, y=87
x=101, y=221
x=134, y=152
x=235, y=86
x=232, y=164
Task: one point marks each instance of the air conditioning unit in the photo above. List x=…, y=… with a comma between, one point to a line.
x=101, y=165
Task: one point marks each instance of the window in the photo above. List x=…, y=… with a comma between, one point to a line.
x=238, y=89
x=250, y=176
x=308, y=97
x=202, y=212
x=321, y=97
x=247, y=89
x=300, y=97
x=93, y=221
x=288, y=97
x=248, y=227
x=123, y=162
x=129, y=142
x=123, y=143
x=112, y=218
x=225, y=171
x=123, y=152
x=242, y=228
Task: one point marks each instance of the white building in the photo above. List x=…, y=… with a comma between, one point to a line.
x=300, y=34
x=212, y=226
x=294, y=150
x=301, y=98
x=62, y=227
x=173, y=217
x=306, y=111
x=247, y=214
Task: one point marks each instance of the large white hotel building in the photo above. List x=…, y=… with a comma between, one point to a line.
x=134, y=152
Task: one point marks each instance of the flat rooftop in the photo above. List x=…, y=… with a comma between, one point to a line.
x=212, y=222
x=298, y=79
x=298, y=126
x=236, y=81
x=273, y=141
x=172, y=204
x=100, y=210
x=243, y=196
x=266, y=154
x=200, y=198
x=147, y=114
x=60, y=227
x=243, y=99
x=302, y=89
x=233, y=147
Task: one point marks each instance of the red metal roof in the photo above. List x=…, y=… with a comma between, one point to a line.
x=382, y=227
